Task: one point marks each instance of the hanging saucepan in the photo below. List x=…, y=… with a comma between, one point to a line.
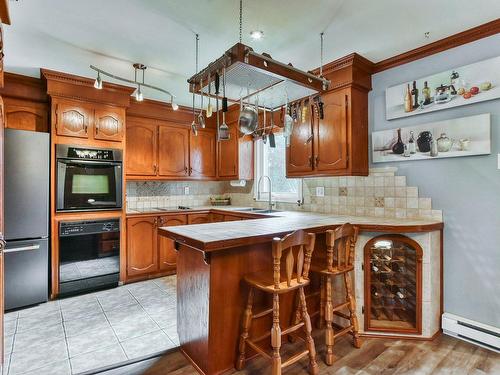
x=248, y=119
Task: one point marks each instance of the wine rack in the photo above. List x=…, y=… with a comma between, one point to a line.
x=393, y=290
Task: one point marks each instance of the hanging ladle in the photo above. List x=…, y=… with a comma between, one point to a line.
x=209, y=107
x=201, y=119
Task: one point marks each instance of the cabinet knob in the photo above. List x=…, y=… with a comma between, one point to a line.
x=155, y=221
x=186, y=171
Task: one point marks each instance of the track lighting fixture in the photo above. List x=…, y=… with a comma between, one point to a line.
x=98, y=81
x=138, y=92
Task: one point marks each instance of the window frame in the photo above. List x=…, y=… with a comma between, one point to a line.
x=260, y=160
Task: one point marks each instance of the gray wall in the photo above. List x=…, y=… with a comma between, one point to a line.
x=467, y=189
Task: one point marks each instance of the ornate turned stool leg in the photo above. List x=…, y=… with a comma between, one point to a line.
x=329, y=339
x=313, y=366
x=296, y=318
x=352, y=310
x=245, y=328
x=321, y=320
x=276, y=336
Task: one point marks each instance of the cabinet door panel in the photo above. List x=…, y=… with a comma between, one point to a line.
x=73, y=119
x=142, y=251
x=200, y=218
x=26, y=115
x=299, y=153
x=202, y=153
x=331, y=134
x=227, y=159
x=141, y=148
x=109, y=124
x=173, y=151
x=166, y=251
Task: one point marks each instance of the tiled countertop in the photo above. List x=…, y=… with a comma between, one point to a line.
x=223, y=235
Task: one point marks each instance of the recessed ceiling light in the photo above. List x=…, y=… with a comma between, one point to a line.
x=257, y=34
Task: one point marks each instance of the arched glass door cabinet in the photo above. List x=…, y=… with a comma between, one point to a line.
x=393, y=284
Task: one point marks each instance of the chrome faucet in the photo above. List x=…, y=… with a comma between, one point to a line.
x=270, y=190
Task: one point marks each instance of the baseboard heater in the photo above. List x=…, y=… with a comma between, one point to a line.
x=477, y=333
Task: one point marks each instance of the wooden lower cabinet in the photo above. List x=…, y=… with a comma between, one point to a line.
x=149, y=254
x=201, y=218
x=142, y=248
x=167, y=255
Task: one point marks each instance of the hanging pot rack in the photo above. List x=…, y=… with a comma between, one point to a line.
x=257, y=76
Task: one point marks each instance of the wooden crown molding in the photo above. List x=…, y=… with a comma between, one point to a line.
x=24, y=87
x=471, y=35
x=158, y=110
x=81, y=88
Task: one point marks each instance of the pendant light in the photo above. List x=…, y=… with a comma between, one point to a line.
x=98, y=82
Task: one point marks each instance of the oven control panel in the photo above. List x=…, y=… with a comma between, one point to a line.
x=81, y=153
x=72, y=228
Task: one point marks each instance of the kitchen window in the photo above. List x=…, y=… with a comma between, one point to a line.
x=272, y=162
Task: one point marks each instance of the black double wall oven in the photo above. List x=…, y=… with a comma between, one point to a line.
x=88, y=179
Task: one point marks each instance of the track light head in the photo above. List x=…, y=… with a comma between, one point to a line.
x=174, y=105
x=98, y=82
x=138, y=94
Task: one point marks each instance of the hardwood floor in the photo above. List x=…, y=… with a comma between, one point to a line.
x=444, y=355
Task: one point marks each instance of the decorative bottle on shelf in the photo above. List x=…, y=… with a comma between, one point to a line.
x=408, y=105
x=426, y=92
x=411, y=144
x=414, y=92
x=399, y=147
x=434, y=148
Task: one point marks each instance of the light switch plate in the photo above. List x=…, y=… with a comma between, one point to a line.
x=186, y=190
x=320, y=191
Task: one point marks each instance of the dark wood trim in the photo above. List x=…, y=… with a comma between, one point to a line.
x=452, y=41
x=401, y=337
x=4, y=12
x=24, y=87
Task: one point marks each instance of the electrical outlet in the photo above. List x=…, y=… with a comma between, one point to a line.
x=186, y=190
x=320, y=191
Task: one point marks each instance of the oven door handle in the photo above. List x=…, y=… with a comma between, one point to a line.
x=90, y=162
x=22, y=248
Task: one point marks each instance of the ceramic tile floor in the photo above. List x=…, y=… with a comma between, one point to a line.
x=84, y=333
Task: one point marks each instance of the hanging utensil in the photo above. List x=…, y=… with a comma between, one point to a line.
x=224, y=129
x=201, y=119
x=264, y=135
x=272, y=140
x=217, y=86
x=209, y=107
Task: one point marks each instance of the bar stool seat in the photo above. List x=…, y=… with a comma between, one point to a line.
x=265, y=282
x=295, y=278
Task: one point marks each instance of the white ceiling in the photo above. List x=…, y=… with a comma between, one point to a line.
x=69, y=35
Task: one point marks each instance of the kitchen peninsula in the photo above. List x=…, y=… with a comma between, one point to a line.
x=213, y=258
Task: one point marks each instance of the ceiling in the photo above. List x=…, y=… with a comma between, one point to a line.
x=69, y=35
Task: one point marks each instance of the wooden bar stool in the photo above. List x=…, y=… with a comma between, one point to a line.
x=340, y=246
x=274, y=283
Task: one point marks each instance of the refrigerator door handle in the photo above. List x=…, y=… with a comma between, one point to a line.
x=2, y=245
x=22, y=248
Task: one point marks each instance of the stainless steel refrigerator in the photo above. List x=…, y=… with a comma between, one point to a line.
x=26, y=210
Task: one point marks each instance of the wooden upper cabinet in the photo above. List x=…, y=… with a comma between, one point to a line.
x=202, y=153
x=142, y=251
x=299, y=154
x=330, y=141
x=166, y=251
x=227, y=160
x=109, y=124
x=173, y=151
x=26, y=115
x=73, y=118
x=141, y=148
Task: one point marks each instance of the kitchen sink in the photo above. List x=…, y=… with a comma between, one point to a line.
x=174, y=209
x=258, y=210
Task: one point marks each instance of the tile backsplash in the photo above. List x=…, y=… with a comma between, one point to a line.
x=146, y=194
x=381, y=194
